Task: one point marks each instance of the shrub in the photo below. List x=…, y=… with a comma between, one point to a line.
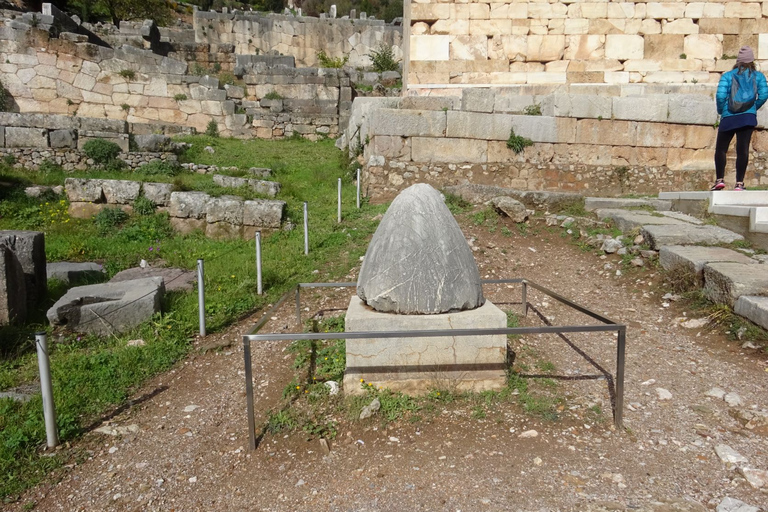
x=532, y=110
x=160, y=168
x=226, y=78
x=383, y=59
x=517, y=143
x=273, y=95
x=125, y=107
x=144, y=206
x=109, y=219
x=331, y=62
x=5, y=99
x=128, y=74
x=49, y=166
x=180, y=97
x=198, y=70
x=101, y=151
x=212, y=130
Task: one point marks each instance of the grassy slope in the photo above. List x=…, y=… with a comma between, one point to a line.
x=90, y=374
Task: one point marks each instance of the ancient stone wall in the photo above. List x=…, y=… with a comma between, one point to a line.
x=589, y=138
x=614, y=42
x=298, y=36
x=217, y=217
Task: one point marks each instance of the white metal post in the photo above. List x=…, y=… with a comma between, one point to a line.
x=358, y=189
x=338, y=201
x=258, y=263
x=49, y=410
x=201, y=295
x=306, y=231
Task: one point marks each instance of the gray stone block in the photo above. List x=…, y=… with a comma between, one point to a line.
x=158, y=193
x=478, y=100
x=475, y=125
x=408, y=123
x=263, y=213
x=692, y=258
x=63, y=138
x=188, y=205
x=430, y=103
x=418, y=261
x=13, y=289
x=224, y=209
x=26, y=137
x=29, y=248
x=641, y=108
x=536, y=128
x=229, y=181
x=108, y=308
x=753, y=308
x=209, y=81
x=511, y=101
x=120, y=191
x=75, y=273
x=153, y=143
x=594, y=203
x=627, y=220
x=175, y=279
x=658, y=236
x=691, y=109
x=479, y=194
x=267, y=188
x=94, y=124
x=583, y=106
x=725, y=282
x=2, y=136
x=234, y=91
x=82, y=190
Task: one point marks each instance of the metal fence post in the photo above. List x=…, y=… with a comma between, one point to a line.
x=525, y=299
x=358, y=189
x=298, y=305
x=49, y=409
x=258, y=263
x=201, y=295
x=249, y=392
x=618, y=418
x=338, y=216
x=306, y=231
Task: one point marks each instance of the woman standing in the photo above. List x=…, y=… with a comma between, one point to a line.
x=740, y=93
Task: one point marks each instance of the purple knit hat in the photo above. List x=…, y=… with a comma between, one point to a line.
x=746, y=55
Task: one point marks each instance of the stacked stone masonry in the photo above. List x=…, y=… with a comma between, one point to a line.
x=217, y=217
x=636, y=138
x=562, y=42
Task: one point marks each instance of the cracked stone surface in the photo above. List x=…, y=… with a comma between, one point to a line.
x=418, y=261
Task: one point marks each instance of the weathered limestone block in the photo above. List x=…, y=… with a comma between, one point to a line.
x=224, y=209
x=13, y=289
x=392, y=147
x=84, y=210
x=153, y=142
x=509, y=100
x=624, y=47
x=583, y=106
x=641, y=108
x=697, y=10
x=545, y=48
x=691, y=109
x=229, y=181
x=583, y=47
x=188, y=225
x=659, y=236
x=408, y=123
x=474, y=363
x=725, y=282
x=748, y=10
x=75, y=273
x=120, y=191
x=512, y=208
x=191, y=205
x=478, y=100
x=108, y=308
x=267, y=188
x=448, y=150
x=703, y=46
x=691, y=259
x=614, y=133
x=26, y=137
x=418, y=261
x=83, y=190
x=537, y=128
x=430, y=47
x=660, y=135
x=667, y=10
x=29, y=250
x=63, y=138
x=263, y=213
x=681, y=26
x=475, y=125
x=663, y=46
x=223, y=230
x=430, y=12
x=469, y=47
x=682, y=159
x=753, y=308
x=158, y=193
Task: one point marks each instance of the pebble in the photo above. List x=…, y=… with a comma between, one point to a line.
x=716, y=393
x=757, y=478
x=370, y=409
x=734, y=505
x=528, y=433
x=648, y=382
x=300, y=482
x=695, y=323
x=663, y=394
x=733, y=399
x=112, y=449
x=728, y=455
x=190, y=408
x=537, y=461
x=192, y=479
x=637, y=262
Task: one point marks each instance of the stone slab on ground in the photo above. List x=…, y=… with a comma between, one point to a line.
x=480, y=194
x=174, y=278
x=13, y=288
x=753, y=308
x=108, y=308
x=75, y=273
x=597, y=203
x=627, y=220
x=29, y=247
x=684, y=217
x=692, y=258
x=685, y=234
x=725, y=282
x=483, y=358
x=23, y=393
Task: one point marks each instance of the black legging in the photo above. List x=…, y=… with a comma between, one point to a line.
x=743, y=138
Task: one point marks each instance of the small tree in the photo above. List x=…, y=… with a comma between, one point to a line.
x=383, y=59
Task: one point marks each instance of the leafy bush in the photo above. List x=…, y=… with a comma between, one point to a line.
x=5, y=99
x=160, y=168
x=128, y=74
x=212, y=130
x=226, y=78
x=49, y=166
x=144, y=206
x=331, y=62
x=532, y=110
x=383, y=59
x=101, y=151
x=179, y=97
x=198, y=70
x=517, y=143
x=273, y=95
x=109, y=219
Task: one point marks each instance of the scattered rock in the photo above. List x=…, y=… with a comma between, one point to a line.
x=695, y=323
x=734, y=505
x=135, y=343
x=639, y=240
x=175, y=279
x=611, y=245
x=757, y=478
x=528, y=434
x=300, y=482
x=23, y=393
x=370, y=409
x=733, y=399
x=209, y=149
x=75, y=273
x=663, y=394
x=637, y=262
x=333, y=386
x=191, y=408
x=324, y=446
x=716, y=393
x=512, y=208
x=728, y=455
x=114, y=430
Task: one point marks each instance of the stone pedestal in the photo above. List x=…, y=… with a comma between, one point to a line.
x=416, y=365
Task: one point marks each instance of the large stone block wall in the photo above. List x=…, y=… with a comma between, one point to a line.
x=591, y=138
x=298, y=36
x=615, y=42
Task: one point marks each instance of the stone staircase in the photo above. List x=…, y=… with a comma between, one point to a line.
x=736, y=276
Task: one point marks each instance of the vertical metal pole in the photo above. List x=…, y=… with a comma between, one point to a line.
x=249, y=392
x=298, y=306
x=258, y=263
x=358, y=189
x=49, y=410
x=201, y=295
x=306, y=231
x=525, y=299
x=338, y=216
x=618, y=418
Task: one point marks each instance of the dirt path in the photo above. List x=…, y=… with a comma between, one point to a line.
x=187, y=458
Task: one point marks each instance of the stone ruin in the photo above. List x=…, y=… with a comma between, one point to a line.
x=419, y=274
x=23, y=280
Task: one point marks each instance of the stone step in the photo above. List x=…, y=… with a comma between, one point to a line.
x=725, y=282
x=627, y=220
x=733, y=210
x=594, y=203
x=743, y=198
x=692, y=258
x=698, y=195
x=753, y=308
x=687, y=234
x=758, y=219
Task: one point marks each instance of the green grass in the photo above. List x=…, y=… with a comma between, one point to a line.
x=93, y=375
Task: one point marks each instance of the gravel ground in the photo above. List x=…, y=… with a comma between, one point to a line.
x=190, y=452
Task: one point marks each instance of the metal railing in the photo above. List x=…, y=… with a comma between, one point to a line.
x=615, y=386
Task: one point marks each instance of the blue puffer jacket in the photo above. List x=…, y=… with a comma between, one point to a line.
x=724, y=90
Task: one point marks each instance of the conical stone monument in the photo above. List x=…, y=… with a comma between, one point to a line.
x=419, y=274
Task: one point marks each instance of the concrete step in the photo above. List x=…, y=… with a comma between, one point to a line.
x=725, y=282
x=758, y=219
x=692, y=258
x=730, y=209
x=594, y=203
x=687, y=234
x=690, y=196
x=753, y=308
x=743, y=198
